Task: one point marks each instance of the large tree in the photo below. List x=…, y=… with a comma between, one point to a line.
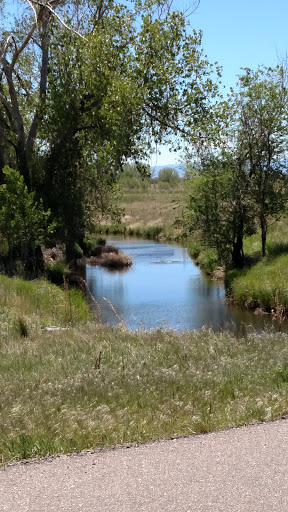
x=84, y=86
x=262, y=139
x=241, y=178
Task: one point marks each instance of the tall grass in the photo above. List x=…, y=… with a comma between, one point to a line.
x=99, y=386
x=263, y=279
x=259, y=285
x=37, y=304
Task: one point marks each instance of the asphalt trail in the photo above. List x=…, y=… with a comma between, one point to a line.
x=239, y=470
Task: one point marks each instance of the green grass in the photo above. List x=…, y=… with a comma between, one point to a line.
x=265, y=280
x=38, y=303
x=203, y=256
x=258, y=286
x=97, y=386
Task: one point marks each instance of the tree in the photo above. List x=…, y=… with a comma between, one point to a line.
x=168, y=175
x=219, y=207
x=263, y=139
x=23, y=222
x=81, y=96
x=242, y=178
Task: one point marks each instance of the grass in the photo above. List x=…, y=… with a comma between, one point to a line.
x=150, y=212
x=258, y=286
x=203, y=256
x=154, y=207
x=98, y=386
x=265, y=280
x=30, y=305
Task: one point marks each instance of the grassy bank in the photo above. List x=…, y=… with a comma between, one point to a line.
x=28, y=305
x=149, y=212
x=205, y=257
x=98, y=386
x=264, y=282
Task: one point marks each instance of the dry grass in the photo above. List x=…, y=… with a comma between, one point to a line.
x=99, y=386
x=152, y=207
x=108, y=256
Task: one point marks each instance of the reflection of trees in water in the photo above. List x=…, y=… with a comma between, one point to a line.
x=103, y=283
x=153, y=295
x=204, y=288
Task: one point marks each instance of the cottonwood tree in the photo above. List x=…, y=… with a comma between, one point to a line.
x=86, y=86
x=262, y=139
x=241, y=179
x=168, y=175
x=219, y=208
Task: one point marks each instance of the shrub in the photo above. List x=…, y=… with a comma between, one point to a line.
x=56, y=272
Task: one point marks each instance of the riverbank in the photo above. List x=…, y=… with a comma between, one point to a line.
x=94, y=386
x=262, y=284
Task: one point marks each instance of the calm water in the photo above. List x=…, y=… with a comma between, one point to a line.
x=163, y=288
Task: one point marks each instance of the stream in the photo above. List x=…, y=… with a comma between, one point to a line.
x=163, y=288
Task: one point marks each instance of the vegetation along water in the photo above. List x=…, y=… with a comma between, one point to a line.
x=86, y=91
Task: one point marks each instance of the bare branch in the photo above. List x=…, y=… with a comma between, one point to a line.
x=23, y=45
x=7, y=44
x=48, y=6
x=33, y=9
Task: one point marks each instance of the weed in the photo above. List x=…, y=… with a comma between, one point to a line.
x=22, y=326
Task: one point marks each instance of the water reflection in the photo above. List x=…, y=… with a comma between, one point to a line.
x=163, y=288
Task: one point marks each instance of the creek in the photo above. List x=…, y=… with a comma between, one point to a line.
x=163, y=288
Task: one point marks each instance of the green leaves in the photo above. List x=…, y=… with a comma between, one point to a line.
x=22, y=219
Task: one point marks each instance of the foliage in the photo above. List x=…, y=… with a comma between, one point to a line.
x=244, y=182
x=168, y=175
x=262, y=139
x=22, y=219
x=86, y=100
x=56, y=272
x=135, y=176
x=219, y=208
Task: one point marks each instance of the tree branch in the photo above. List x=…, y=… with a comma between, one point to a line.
x=23, y=45
x=6, y=104
x=48, y=6
x=33, y=9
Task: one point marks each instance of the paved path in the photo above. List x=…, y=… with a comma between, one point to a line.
x=240, y=470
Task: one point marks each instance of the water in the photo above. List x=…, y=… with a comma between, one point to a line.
x=163, y=288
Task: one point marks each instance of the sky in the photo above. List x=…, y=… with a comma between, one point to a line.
x=237, y=33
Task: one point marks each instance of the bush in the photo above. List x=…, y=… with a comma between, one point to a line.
x=23, y=222
x=56, y=272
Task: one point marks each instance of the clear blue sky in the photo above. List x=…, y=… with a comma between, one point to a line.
x=238, y=33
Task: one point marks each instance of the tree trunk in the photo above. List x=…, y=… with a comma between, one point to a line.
x=237, y=253
x=263, y=224
x=2, y=162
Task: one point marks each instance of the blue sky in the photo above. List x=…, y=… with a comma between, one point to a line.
x=239, y=33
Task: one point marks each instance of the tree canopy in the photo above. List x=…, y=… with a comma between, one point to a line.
x=86, y=86
x=242, y=182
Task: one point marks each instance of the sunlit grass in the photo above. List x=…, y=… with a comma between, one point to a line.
x=152, y=207
x=38, y=303
x=258, y=286
x=268, y=277
x=99, y=386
